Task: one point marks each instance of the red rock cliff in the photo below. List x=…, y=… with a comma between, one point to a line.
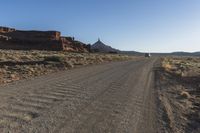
x=39, y=40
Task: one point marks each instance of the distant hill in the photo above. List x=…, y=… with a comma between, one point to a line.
x=196, y=53
x=178, y=54
x=132, y=53
x=161, y=54
x=181, y=53
x=186, y=53
x=103, y=48
x=99, y=46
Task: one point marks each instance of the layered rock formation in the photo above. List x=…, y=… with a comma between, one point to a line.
x=39, y=40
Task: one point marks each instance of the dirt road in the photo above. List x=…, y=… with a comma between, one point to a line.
x=112, y=98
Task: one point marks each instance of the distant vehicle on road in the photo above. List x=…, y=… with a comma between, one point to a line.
x=148, y=55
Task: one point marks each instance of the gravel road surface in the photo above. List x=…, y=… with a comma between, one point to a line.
x=116, y=97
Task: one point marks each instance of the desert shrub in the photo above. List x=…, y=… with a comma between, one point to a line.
x=69, y=64
x=185, y=94
x=54, y=58
x=26, y=58
x=166, y=65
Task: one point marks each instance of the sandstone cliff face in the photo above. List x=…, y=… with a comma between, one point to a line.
x=6, y=29
x=38, y=40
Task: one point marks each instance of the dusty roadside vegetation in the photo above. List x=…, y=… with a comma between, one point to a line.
x=179, y=94
x=16, y=65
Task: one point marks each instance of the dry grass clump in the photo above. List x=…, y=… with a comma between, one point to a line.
x=54, y=58
x=167, y=66
x=182, y=67
x=185, y=95
x=69, y=64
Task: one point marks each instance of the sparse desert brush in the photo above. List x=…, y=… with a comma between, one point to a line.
x=53, y=61
x=116, y=58
x=35, y=53
x=185, y=94
x=3, y=58
x=26, y=58
x=107, y=58
x=12, y=57
x=183, y=66
x=54, y=58
x=166, y=65
x=99, y=59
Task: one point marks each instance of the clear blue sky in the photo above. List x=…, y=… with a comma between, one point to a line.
x=141, y=25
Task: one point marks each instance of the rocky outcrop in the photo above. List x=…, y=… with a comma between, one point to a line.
x=39, y=40
x=103, y=48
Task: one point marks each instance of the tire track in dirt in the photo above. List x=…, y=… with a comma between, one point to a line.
x=10, y=114
x=109, y=97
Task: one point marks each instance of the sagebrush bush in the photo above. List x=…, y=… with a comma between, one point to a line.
x=185, y=94
x=54, y=58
